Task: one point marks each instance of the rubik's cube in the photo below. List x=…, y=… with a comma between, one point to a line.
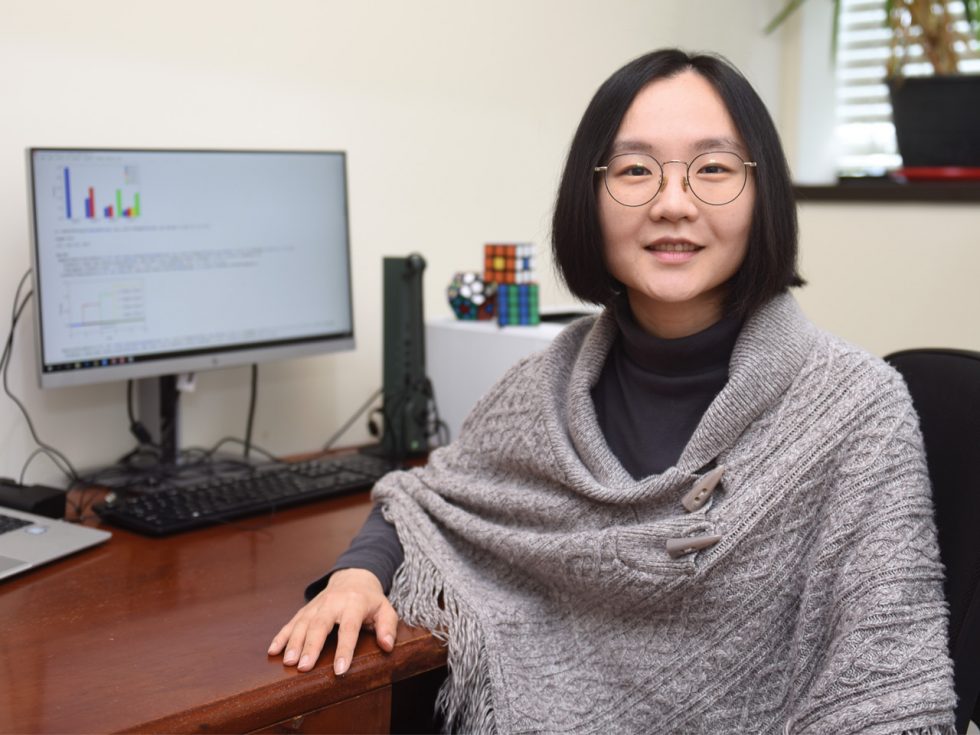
x=511, y=267
x=517, y=303
x=471, y=297
x=512, y=263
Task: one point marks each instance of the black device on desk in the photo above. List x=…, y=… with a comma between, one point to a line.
x=190, y=502
x=39, y=499
x=407, y=390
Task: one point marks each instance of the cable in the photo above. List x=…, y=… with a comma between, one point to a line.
x=393, y=407
x=8, y=347
x=208, y=453
x=192, y=457
x=136, y=428
x=352, y=419
x=429, y=422
x=437, y=427
x=37, y=452
x=251, y=410
x=5, y=361
x=23, y=280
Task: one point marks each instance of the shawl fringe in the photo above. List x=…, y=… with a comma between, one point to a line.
x=422, y=598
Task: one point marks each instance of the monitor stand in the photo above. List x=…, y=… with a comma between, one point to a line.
x=157, y=414
x=158, y=410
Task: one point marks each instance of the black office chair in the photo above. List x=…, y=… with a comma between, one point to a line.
x=945, y=388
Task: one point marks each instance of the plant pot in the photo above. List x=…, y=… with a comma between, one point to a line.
x=937, y=120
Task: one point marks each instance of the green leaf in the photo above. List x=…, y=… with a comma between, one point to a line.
x=971, y=9
x=792, y=6
x=787, y=11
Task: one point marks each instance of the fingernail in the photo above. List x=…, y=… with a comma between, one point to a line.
x=339, y=666
x=304, y=662
x=272, y=648
x=289, y=657
x=388, y=641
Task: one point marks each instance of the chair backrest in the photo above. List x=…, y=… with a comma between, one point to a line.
x=945, y=389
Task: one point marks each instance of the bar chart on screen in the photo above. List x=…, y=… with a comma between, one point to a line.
x=104, y=191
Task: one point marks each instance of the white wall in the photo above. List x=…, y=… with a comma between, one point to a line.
x=456, y=116
x=893, y=276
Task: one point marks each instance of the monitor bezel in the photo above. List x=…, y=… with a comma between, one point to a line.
x=176, y=363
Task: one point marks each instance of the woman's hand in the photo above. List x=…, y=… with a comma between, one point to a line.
x=351, y=599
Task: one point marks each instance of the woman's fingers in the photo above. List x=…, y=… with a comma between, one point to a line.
x=290, y=638
x=386, y=625
x=301, y=639
x=316, y=635
x=279, y=641
x=347, y=632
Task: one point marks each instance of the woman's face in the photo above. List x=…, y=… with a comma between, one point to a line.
x=675, y=254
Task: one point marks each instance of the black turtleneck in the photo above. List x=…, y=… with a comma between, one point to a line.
x=652, y=391
x=649, y=398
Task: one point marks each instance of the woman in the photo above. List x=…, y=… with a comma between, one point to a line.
x=695, y=512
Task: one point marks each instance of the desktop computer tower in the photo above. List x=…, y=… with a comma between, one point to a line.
x=407, y=393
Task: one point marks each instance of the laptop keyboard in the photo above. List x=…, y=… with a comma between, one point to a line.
x=9, y=523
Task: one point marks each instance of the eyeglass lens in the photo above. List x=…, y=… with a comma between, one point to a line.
x=716, y=177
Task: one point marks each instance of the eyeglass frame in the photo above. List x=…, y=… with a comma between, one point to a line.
x=685, y=182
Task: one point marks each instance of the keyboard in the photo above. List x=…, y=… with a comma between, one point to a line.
x=185, y=504
x=9, y=523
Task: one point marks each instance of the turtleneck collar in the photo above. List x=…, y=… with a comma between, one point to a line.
x=702, y=352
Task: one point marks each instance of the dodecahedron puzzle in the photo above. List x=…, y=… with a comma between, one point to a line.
x=471, y=297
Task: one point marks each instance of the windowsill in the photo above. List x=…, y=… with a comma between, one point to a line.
x=889, y=190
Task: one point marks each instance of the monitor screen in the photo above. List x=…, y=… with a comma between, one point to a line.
x=157, y=262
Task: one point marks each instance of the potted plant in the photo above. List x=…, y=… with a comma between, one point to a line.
x=937, y=117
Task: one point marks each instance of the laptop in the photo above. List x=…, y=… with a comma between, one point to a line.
x=28, y=541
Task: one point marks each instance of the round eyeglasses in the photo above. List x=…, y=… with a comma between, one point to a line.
x=715, y=177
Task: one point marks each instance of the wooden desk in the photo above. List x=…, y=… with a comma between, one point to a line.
x=170, y=635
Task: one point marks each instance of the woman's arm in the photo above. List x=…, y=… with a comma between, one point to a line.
x=375, y=548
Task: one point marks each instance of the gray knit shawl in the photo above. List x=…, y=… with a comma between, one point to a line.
x=542, y=562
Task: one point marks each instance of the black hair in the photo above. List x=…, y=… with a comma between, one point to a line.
x=769, y=267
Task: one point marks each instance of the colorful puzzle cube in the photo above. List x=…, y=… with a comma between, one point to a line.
x=471, y=297
x=517, y=304
x=510, y=263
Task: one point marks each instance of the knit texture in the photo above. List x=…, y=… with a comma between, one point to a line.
x=542, y=562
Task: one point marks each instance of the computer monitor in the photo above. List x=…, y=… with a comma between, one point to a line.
x=153, y=263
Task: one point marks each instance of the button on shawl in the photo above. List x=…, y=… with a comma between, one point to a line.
x=698, y=495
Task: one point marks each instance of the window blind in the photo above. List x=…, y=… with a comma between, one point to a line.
x=865, y=133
